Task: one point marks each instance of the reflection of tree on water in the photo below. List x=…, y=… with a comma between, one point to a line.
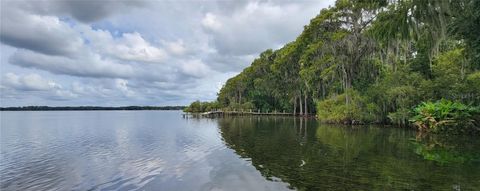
x=257, y=136
x=447, y=149
x=311, y=156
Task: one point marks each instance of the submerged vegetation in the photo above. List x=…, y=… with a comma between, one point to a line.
x=371, y=61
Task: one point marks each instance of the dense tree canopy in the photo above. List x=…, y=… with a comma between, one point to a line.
x=368, y=61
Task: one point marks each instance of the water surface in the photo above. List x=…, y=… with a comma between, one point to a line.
x=160, y=150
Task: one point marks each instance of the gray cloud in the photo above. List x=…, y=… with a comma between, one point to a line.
x=43, y=34
x=258, y=25
x=86, y=11
x=136, y=52
x=90, y=66
x=89, y=11
x=229, y=63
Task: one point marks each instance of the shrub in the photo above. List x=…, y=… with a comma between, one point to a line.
x=335, y=109
x=198, y=107
x=446, y=116
x=400, y=117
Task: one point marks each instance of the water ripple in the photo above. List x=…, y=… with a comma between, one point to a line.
x=109, y=151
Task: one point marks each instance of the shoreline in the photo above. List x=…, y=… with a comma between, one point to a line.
x=89, y=108
x=242, y=113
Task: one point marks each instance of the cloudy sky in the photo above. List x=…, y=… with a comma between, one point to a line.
x=116, y=53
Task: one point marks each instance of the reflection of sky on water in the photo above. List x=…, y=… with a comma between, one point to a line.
x=119, y=150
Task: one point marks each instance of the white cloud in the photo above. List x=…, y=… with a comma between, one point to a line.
x=122, y=85
x=108, y=53
x=176, y=47
x=29, y=82
x=130, y=46
x=195, y=68
x=133, y=47
x=32, y=86
x=48, y=43
x=211, y=22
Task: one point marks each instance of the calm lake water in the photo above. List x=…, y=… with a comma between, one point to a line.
x=160, y=150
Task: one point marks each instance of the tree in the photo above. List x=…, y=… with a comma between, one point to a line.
x=382, y=58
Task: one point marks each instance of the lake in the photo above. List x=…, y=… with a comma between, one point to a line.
x=161, y=150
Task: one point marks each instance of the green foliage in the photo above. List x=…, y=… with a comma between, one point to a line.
x=303, y=152
x=357, y=111
x=447, y=116
x=247, y=106
x=465, y=26
x=396, y=93
x=441, y=155
x=199, y=107
x=444, y=149
x=369, y=61
x=472, y=88
x=400, y=117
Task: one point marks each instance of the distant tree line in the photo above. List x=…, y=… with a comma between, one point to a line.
x=74, y=108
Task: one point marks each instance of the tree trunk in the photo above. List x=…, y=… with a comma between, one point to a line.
x=347, y=98
x=295, y=105
x=300, y=102
x=305, y=103
x=240, y=97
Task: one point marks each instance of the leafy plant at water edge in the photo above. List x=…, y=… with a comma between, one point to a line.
x=446, y=116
